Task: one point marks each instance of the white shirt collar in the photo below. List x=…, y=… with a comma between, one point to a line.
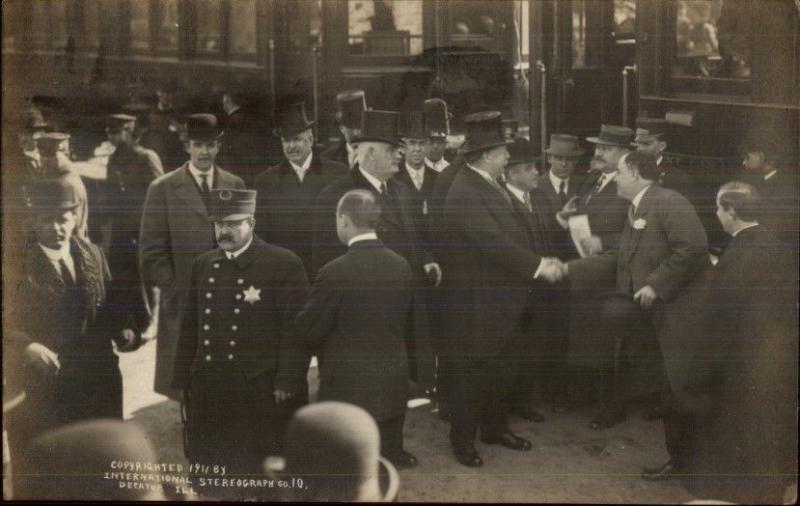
x=352, y=154
x=768, y=176
x=439, y=165
x=556, y=182
x=33, y=154
x=417, y=175
x=660, y=159
x=745, y=228
x=197, y=175
x=234, y=254
x=607, y=178
x=56, y=254
x=375, y=182
x=485, y=175
x=638, y=198
x=302, y=169
x=369, y=236
x=519, y=194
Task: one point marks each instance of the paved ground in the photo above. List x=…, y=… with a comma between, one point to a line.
x=569, y=462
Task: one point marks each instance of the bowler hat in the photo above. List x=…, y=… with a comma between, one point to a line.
x=203, y=127
x=520, y=151
x=52, y=193
x=649, y=129
x=116, y=122
x=50, y=142
x=613, y=135
x=437, y=118
x=291, y=120
x=352, y=104
x=412, y=125
x=337, y=445
x=564, y=145
x=484, y=131
x=380, y=126
x=231, y=204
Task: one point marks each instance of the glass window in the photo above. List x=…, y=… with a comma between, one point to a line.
x=243, y=27
x=712, y=39
x=385, y=27
x=167, y=32
x=472, y=21
x=39, y=28
x=92, y=14
x=624, y=18
x=303, y=24
x=140, y=33
x=578, y=34
x=14, y=12
x=208, y=26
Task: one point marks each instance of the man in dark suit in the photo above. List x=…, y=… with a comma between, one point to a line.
x=662, y=248
x=238, y=361
x=358, y=320
x=175, y=229
x=350, y=117
x=490, y=269
x=558, y=186
x=740, y=434
x=437, y=123
x=287, y=192
x=244, y=149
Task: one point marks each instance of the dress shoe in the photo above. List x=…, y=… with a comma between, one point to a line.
x=402, y=460
x=466, y=454
x=661, y=473
x=508, y=440
x=607, y=419
x=528, y=414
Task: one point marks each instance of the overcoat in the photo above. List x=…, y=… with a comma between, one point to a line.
x=175, y=229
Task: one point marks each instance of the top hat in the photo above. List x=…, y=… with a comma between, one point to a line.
x=437, y=118
x=613, y=135
x=564, y=145
x=231, y=204
x=328, y=438
x=52, y=193
x=484, y=131
x=510, y=128
x=412, y=125
x=203, y=127
x=50, y=142
x=520, y=152
x=352, y=104
x=116, y=122
x=380, y=126
x=291, y=120
x=649, y=129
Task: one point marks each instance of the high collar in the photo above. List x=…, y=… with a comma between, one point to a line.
x=372, y=180
x=303, y=167
x=639, y=196
x=246, y=257
x=516, y=192
x=748, y=227
x=369, y=236
x=197, y=174
x=235, y=254
x=556, y=182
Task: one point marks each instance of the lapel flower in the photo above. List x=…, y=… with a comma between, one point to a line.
x=639, y=224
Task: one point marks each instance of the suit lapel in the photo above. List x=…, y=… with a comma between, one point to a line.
x=186, y=189
x=634, y=234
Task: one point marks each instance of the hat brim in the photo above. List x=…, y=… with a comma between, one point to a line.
x=205, y=138
x=471, y=149
x=598, y=140
x=230, y=217
x=291, y=132
x=570, y=154
x=646, y=138
x=386, y=140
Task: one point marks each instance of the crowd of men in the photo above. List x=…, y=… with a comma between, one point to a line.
x=481, y=276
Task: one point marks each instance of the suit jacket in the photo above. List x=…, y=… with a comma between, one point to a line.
x=285, y=205
x=242, y=312
x=422, y=197
x=489, y=268
x=607, y=212
x=175, y=229
x=781, y=204
x=548, y=199
x=359, y=322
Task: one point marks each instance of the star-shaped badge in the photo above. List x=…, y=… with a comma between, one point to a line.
x=252, y=295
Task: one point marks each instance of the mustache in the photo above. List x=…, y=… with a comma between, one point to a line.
x=225, y=237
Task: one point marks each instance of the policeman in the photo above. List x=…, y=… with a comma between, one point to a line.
x=237, y=362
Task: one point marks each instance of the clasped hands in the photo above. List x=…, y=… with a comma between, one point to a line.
x=553, y=269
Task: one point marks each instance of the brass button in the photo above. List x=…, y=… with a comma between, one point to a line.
x=206, y=342
x=240, y=281
x=238, y=296
x=233, y=343
x=206, y=327
x=208, y=358
x=237, y=311
x=234, y=327
x=230, y=357
x=211, y=280
x=208, y=310
x=216, y=265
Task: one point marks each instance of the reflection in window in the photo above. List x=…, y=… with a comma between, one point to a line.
x=624, y=17
x=243, y=27
x=303, y=24
x=712, y=39
x=167, y=17
x=385, y=27
x=208, y=24
x=140, y=33
x=470, y=19
x=578, y=34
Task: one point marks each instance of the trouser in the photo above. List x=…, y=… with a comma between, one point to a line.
x=391, y=431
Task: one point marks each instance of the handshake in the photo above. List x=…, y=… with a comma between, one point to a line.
x=553, y=270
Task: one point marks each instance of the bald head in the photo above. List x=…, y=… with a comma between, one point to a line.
x=738, y=206
x=358, y=213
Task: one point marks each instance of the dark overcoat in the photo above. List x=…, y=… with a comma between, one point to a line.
x=359, y=322
x=607, y=211
x=175, y=229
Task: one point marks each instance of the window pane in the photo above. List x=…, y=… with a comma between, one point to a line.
x=208, y=16
x=91, y=22
x=140, y=34
x=168, y=29
x=39, y=23
x=243, y=27
x=473, y=22
x=303, y=24
x=624, y=17
x=13, y=22
x=385, y=27
x=578, y=34
x=713, y=39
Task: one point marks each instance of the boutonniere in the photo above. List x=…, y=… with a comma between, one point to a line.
x=639, y=224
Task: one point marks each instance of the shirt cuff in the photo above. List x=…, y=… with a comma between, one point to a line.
x=538, y=269
x=561, y=221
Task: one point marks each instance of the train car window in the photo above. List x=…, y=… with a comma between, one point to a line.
x=209, y=38
x=624, y=19
x=243, y=28
x=587, y=27
x=39, y=29
x=474, y=23
x=93, y=15
x=166, y=18
x=712, y=39
x=303, y=24
x=384, y=27
x=140, y=26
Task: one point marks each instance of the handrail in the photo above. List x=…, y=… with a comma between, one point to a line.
x=626, y=71
x=271, y=46
x=540, y=66
x=315, y=79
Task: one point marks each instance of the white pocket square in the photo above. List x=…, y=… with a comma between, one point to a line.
x=639, y=224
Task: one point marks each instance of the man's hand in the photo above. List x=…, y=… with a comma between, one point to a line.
x=281, y=395
x=128, y=340
x=433, y=270
x=645, y=297
x=592, y=245
x=43, y=358
x=553, y=270
x=569, y=209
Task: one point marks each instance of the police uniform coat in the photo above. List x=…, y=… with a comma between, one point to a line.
x=358, y=321
x=175, y=229
x=285, y=214
x=236, y=346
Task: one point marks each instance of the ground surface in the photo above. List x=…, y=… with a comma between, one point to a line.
x=569, y=461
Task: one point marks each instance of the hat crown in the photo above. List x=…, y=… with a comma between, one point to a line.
x=380, y=126
x=437, y=118
x=352, y=104
x=520, y=151
x=484, y=131
x=564, y=145
x=229, y=202
x=613, y=135
x=412, y=125
x=203, y=127
x=292, y=119
x=49, y=142
x=53, y=193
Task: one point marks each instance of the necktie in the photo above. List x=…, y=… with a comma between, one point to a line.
x=384, y=190
x=204, y=184
x=66, y=275
x=562, y=190
x=527, y=198
x=599, y=184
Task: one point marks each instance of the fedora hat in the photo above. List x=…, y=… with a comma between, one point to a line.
x=650, y=129
x=564, y=145
x=291, y=120
x=203, y=127
x=613, y=135
x=231, y=204
x=437, y=117
x=484, y=131
x=52, y=193
x=412, y=125
x=380, y=126
x=337, y=446
x=352, y=104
